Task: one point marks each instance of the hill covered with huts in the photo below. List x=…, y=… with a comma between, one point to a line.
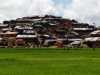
x=48, y=31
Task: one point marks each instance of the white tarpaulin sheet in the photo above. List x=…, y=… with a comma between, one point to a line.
x=26, y=36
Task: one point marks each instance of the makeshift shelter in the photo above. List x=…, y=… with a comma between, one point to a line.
x=9, y=38
x=93, y=42
x=95, y=33
x=30, y=40
x=3, y=26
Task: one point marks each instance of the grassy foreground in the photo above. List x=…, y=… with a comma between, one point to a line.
x=49, y=62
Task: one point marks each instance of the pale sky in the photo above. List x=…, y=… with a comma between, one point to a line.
x=81, y=10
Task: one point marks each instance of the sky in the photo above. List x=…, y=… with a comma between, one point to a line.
x=81, y=10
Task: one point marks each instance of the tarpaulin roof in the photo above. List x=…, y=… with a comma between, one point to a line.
x=95, y=32
x=82, y=29
x=9, y=33
x=26, y=36
x=92, y=39
x=75, y=42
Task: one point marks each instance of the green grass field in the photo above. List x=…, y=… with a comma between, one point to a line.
x=49, y=62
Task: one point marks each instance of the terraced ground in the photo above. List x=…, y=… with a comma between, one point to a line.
x=49, y=61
